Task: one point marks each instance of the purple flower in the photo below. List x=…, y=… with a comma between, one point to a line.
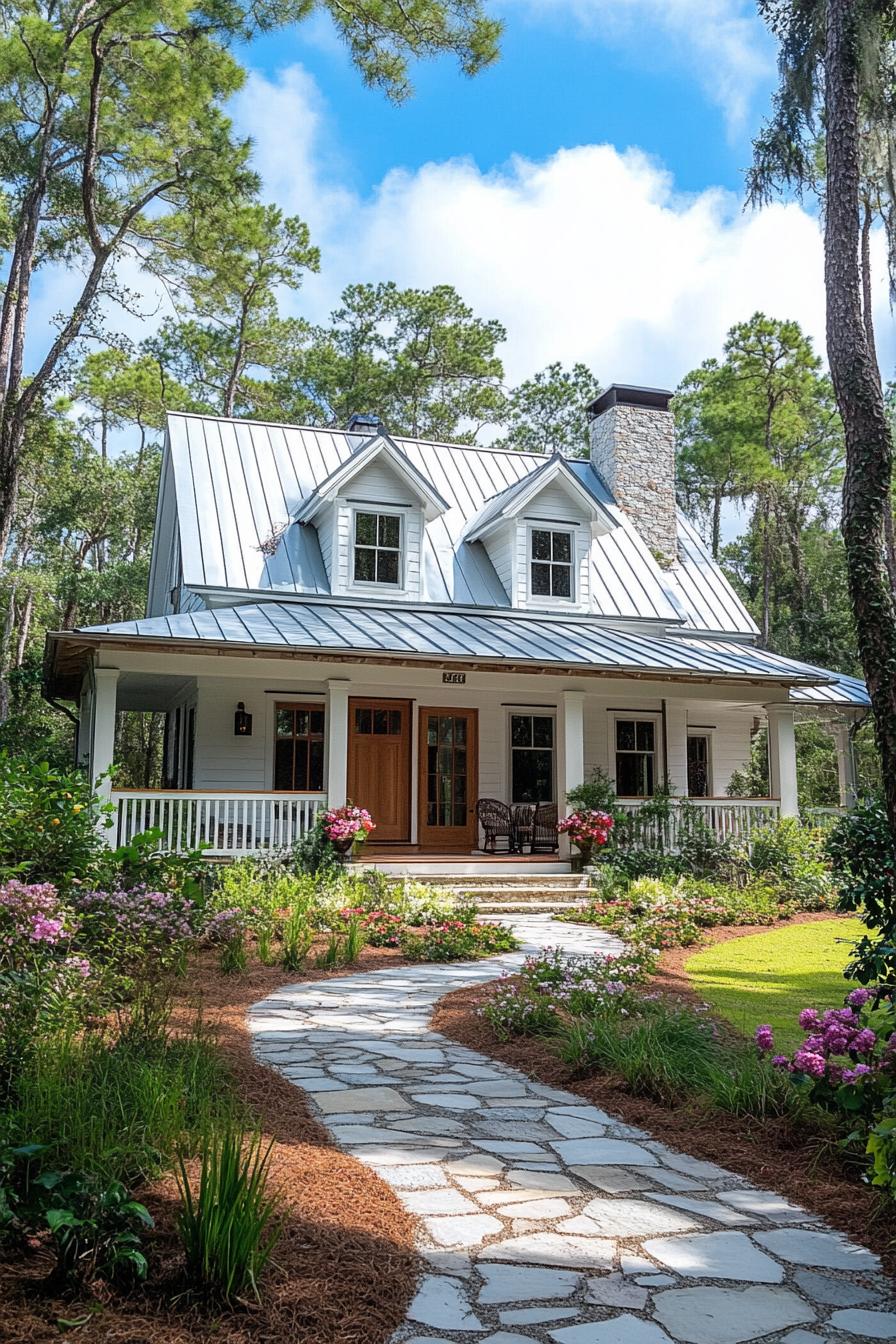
x=807, y=1061
x=809, y=1019
x=765, y=1038
x=864, y=1041
x=780, y=1061
x=854, y=1074
x=858, y=998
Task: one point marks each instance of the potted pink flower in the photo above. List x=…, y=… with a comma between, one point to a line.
x=347, y=827
x=586, y=828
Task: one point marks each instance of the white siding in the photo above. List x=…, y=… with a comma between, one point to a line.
x=500, y=547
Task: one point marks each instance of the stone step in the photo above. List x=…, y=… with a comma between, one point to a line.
x=493, y=879
x=548, y=907
x=524, y=894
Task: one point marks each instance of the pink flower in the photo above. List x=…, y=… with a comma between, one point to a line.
x=807, y=1061
x=765, y=1038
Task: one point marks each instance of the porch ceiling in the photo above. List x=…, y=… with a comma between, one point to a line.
x=351, y=633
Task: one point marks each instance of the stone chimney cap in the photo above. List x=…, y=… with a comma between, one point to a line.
x=361, y=420
x=624, y=394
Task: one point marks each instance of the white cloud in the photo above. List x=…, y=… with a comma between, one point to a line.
x=721, y=43
x=588, y=255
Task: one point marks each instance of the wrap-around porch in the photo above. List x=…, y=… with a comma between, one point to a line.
x=251, y=755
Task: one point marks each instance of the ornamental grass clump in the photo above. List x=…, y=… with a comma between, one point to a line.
x=230, y=1224
x=226, y=929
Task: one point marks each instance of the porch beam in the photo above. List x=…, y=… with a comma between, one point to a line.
x=337, y=742
x=782, y=758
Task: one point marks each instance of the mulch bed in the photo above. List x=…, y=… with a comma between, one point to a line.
x=345, y=1266
x=773, y=1155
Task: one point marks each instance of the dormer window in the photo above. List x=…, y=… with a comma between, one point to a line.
x=550, y=569
x=377, y=550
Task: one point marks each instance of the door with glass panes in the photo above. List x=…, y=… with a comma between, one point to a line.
x=449, y=759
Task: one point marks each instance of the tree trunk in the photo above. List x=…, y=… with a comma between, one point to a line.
x=716, y=523
x=869, y=448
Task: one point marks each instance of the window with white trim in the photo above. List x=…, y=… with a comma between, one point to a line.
x=377, y=554
x=532, y=758
x=636, y=751
x=550, y=563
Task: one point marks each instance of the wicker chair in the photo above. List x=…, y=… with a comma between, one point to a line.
x=523, y=819
x=544, y=829
x=495, y=819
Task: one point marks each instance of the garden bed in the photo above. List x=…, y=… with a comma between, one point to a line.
x=773, y=1154
x=345, y=1268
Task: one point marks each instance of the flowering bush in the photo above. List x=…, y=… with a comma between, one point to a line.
x=137, y=931
x=347, y=823
x=847, y=1065
x=33, y=920
x=380, y=928
x=48, y=822
x=457, y=940
x=587, y=827
x=553, y=987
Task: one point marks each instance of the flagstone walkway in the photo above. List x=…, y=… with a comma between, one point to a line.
x=543, y=1220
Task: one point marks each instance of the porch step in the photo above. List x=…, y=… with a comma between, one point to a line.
x=486, y=908
x=519, y=894
x=492, y=881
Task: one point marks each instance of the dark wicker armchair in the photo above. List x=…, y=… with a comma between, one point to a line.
x=544, y=828
x=496, y=820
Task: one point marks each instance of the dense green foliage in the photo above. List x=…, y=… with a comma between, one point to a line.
x=864, y=860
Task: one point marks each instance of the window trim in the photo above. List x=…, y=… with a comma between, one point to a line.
x=380, y=511
x=536, y=712
x=640, y=716
x=707, y=733
x=572, y=530
x=310, y=705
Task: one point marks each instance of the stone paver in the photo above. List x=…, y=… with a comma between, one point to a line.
x=542, y=1219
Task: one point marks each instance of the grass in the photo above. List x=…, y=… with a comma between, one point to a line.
x=769, y=977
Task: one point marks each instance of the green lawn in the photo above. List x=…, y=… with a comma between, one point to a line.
x=769, y=977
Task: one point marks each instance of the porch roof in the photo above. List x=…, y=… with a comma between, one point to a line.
x=346, y=632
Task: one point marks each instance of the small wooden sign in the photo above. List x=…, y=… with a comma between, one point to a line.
x=454, y=678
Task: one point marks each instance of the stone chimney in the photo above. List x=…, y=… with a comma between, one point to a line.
x=633, y=452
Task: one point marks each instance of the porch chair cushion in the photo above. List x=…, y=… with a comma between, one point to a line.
x=495, y=819
x=544, y=830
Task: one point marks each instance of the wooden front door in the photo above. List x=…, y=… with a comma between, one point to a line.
x=379, y=765
x=449, y=760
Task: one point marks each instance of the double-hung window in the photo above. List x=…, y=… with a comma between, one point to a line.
x=636, y=758
x=550, y=563
x=532, y=758
x=377, y=548
x=299, y=748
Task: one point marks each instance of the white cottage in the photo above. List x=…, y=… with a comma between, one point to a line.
x=419, y=627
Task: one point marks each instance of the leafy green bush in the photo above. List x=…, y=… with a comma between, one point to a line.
x=314, y=853
x=49, y=823
x=861, y=849
x=230, y=1225
x=794, y=856
x=457, y=940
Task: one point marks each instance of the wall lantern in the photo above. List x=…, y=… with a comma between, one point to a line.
x=242, y=722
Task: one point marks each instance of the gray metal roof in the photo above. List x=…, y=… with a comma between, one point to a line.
x=322, y=627
x=847, y=691
x=585, y=484
x=239, y=483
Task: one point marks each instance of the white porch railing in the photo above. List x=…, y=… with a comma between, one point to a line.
x=226, y=824
x=729, y=818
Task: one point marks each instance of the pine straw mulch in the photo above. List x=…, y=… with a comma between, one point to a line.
x=772, y=1154
x=345, y=1266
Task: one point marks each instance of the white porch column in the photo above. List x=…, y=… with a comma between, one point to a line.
x=85, y=725
x=846, y=765
x=337, y=742
x=676, y=747
x=571, y=771
x=782, y=758
x=102, y=728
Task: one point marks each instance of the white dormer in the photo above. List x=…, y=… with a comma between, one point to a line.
x=538, y=534
x=370, y=514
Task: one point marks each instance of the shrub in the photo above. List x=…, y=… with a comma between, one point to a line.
x=457, y=940
x=315, y=854
x=382, y=929
x=229, y=1226
x=793, y=855
x=142, y=862
x=49, y=823
x=553, y=987
x=861, y=849
x=138, y=933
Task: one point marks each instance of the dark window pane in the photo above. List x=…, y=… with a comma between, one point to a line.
x=395, y=722
x=316, y=764
x=460, y=731
x=460, y=788
x=302, y=721
x=365, y=528
x=541, y=580
x=283, y=764
x=432, y=783
x=561, y=581
x=445, y=760
x=390, y=530
x=625, y=735
x=562, y=546
x=446, y=729
x=648, y=776
x=634, y=775
x=363, y=720
x=430, y=814
x=284, y=722
x=543, y=731
x=317, y=722
x=381, y=721
x=521, y=730
x=541, y=545
x=365, y=565
x=460, y=760
x=460, y=814
x=432, y=730
x=387, y=567
x=645, y=735
x=532, y=777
